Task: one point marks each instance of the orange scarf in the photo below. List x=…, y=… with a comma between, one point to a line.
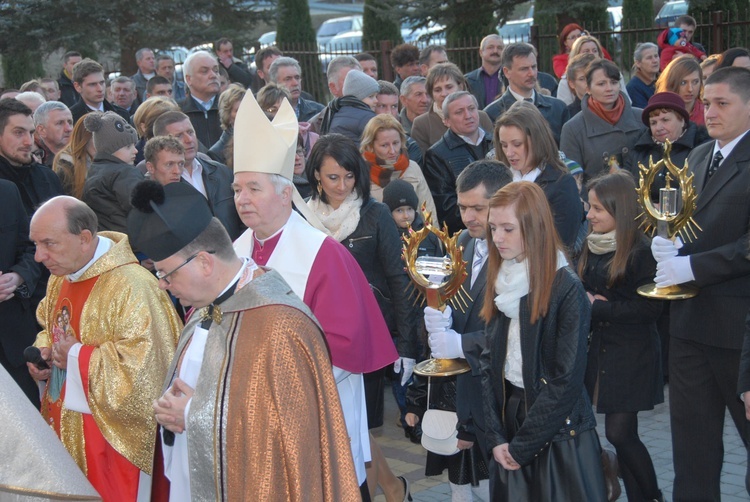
x=612, y=116
x=381, y=172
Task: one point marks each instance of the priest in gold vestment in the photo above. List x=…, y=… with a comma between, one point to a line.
x=250, y=409
x=109, y=334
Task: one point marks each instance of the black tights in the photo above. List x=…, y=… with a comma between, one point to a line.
x=636, y=467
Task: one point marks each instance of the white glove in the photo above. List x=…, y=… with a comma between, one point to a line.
x=664, y=249
x=446, y=345
x=408, y=365
x=673, y=271
x=436, y=321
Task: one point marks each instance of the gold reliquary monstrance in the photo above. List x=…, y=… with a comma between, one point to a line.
x=438, y=280
x=672, y=217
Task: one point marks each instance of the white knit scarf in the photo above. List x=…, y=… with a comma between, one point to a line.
x=341, y=222
x=602, y=243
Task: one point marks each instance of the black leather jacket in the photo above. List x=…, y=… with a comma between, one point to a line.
x=554, y=362
x=376, y=245
x=442, y=165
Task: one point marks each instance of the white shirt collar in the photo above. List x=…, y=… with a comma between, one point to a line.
x=206, y=105
x=263, y=241
x=196, y=178
x=102, y=247
x=530, y=176
x=521, y=98
x=726, y=150
x=479, y=138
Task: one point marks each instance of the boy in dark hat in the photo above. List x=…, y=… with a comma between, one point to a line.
x=265, y=366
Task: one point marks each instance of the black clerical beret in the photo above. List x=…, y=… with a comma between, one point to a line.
x=165, y=219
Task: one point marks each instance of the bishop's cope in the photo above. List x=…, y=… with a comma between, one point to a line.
x=250, y=362
x=317, y=268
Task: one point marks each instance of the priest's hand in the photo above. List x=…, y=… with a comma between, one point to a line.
x=36, y=373
x=503, y=457
x=169, y=409
x=60, y=350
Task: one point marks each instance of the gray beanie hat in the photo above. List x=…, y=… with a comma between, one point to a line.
x=360, y=85
x=399, y=193
x=111, y=132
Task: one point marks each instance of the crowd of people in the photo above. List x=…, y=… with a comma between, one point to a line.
x=204, y=292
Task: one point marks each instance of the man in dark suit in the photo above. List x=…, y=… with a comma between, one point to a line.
x=485, y=83
x=19, y=277
x=707, y=330
x=88, y=80
x=202, y=105
x=68, y=94
x=520, y=68
x=463, y=143
x=460, y=334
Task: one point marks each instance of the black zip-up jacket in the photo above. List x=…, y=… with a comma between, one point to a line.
x=554, y=363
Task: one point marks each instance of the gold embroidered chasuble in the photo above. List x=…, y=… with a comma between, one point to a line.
x=133, y=328
x=265, y=421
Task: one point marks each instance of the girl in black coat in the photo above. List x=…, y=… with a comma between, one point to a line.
x=524, y=141
x=623, y=375
x=539, y=421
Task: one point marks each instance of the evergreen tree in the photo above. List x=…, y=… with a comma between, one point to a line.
x=635, y=14
x=123, y=26
x=465, y=21
x=296, y=37
x=732, y=10
x=380, y=22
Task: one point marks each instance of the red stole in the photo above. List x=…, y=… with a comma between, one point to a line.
x=111, y=474
x=70, y=302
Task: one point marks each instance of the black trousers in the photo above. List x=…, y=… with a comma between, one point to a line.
x=702, y=385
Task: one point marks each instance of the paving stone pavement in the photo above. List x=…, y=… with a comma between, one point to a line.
x=407, y=459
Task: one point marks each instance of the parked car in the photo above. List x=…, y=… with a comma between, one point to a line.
x=333, y=27
x=267, y=39
x=432, y=34
x=615, y=18
x=671, y=11
x=516, y=31
x=349, y=41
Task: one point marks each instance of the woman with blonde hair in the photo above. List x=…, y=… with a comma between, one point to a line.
x=384, y=148
x=72, y=162
x=144, y=119
x=229, y=103
x=585, y=44
x=540, y=425
x=684, y=76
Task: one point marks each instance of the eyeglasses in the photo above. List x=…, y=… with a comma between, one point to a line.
x=164, y=277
